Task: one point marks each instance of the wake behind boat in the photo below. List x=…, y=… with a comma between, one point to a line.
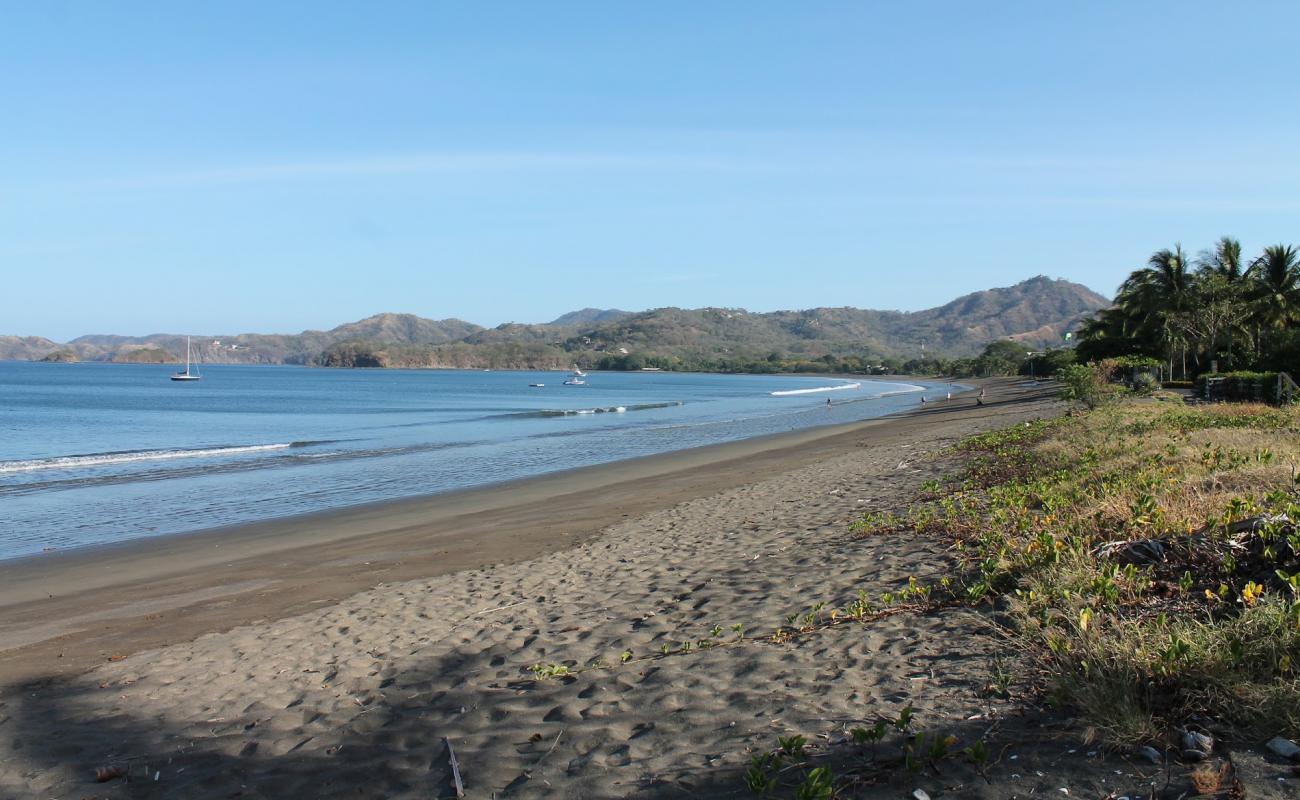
x=576, y=378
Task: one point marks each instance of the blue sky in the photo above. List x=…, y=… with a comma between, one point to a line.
x=228, y=167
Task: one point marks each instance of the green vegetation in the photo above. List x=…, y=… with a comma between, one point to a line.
x=1151, y=558
x=1082, y=383
x=496, y=355
x=1003, y=357
x=1188, y=314
x=63, y=356
x=999, y=358
x=144, y=355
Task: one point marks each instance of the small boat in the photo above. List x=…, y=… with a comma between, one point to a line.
x=576, y=379
x=537, y=385
x=187, y=375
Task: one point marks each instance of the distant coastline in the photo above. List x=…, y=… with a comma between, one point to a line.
x=1035, y=313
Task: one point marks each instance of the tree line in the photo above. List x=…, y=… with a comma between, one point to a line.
x=1212, y=310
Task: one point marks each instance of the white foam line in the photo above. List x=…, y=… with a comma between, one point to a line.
x=72, y=462
x=841, y=387
x=910, y=389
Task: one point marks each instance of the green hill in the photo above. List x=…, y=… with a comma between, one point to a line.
x=1035, y=313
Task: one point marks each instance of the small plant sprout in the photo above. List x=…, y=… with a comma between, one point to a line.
x=792, y=746
x=870, y=735
x=543, y=671
x=625, y=657
x=756, y=774
x=912, y=750
x=977, y=754
x=904, y=718
x=818, y=784
x=940, y=745
x=1001, y=677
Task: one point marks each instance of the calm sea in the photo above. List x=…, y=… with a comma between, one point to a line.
x=96, y=453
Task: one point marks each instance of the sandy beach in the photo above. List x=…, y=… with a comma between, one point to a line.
x=336, y=656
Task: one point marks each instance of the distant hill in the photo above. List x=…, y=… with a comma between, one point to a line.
x=261, y=348
x=144, y=354
x=1036, y=312
x=405, y=329
x=26, y=348
x=589, y=316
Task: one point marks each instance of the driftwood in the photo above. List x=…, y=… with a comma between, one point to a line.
x=1150, y=551
x=455, y=769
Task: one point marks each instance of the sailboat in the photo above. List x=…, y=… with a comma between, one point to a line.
x=576, y=377
x=186, y=375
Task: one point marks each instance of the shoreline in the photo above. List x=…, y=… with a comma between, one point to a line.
x=95, y=550
x=152, y=592
x=34, y=467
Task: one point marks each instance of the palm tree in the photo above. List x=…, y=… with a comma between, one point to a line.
x=1152, y=296
x=1225, y=261
x=1165, y=307
x=1275, y=286
x=1171, y=278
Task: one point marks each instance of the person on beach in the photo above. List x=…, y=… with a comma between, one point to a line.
x=828, y=402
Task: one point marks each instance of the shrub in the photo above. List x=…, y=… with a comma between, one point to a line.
x=1082, y=383
x=1144, y=385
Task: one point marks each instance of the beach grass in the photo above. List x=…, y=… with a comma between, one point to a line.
x=1148, y=555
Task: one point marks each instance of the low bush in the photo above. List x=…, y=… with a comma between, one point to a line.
x=1083, y=383
x=1144, y=385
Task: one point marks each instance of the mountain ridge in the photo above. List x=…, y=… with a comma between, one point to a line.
x=1035, y=312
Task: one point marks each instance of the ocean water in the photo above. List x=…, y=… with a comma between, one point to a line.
x=98, y=453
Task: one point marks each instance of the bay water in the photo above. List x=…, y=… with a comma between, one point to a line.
x=98, y=453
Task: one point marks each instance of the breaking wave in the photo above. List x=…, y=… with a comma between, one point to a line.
x=126, y=456
x=836, y=388
x=570, y=412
